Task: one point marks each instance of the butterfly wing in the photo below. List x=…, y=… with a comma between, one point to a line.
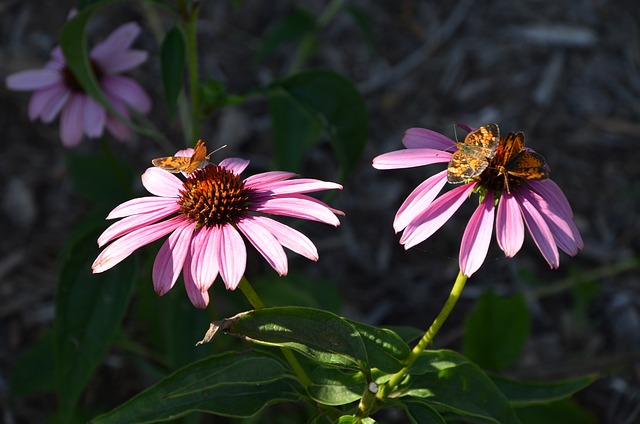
x=527, y=165
x=485, y=138
x=465, y=164
x=171, y=163
x=199, y=155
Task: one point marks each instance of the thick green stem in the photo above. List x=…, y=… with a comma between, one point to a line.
x=426, y=340
x=257, y=303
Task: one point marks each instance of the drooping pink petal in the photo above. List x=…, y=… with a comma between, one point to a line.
x=48, y=102
x=116, y=43
x=300, y=185
x=233, y=256
x=199, y=299
x=435, y=215
x=171, y=257
x=297, y=206
x=509, y=225
x=34, y=79
x=124, y=61
x=259, y=180
x=477, y=237
x=127, y=91
x=118, y=129
x=290, y=238
x=419, y=199
x=410, y=158
x=206, y=257
x=161, y=183
x=415, y=138
x=117, y=251
x=95, y=118
x=234, y=165
x=265, y=243
x=72, y=121
x=143, y=205
x=132, y=223
x=539, y=230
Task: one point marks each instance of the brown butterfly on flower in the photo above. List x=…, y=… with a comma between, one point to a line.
x=186, y=164
x=473, y=154
x=513, y=160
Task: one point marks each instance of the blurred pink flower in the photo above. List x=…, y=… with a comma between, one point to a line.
x=56, y=90
x=205, y=217
x=540, y=205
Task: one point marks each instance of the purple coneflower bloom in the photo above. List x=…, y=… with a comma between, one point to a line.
x=206, y=216
x=539, y=205
x=58, y=92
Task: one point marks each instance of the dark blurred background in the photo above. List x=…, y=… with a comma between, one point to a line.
x=567, y=73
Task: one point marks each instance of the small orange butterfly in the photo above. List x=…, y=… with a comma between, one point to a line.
x=512, y=159
x=473, y=154
x=186, y=164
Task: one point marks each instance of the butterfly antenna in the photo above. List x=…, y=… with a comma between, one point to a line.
x=217, y=150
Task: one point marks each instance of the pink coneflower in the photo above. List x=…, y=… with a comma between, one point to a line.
x=58, y=92
x=538, y=204
x=206, y=216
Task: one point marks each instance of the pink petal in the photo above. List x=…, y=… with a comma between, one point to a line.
x=290, y=238
x=117, y=251
x=95, y=118
x=435, y=215
x=423, y=138
x=124, y=61
x=233, y=256
x=170, y=258
x=117, y=128
x=127, y=91
x=258, y=180
x=297, y=206
x=48, y=102
x=161, y=183
x=410, y=158
x=265, y=243
x=509, y=225
x=540, y=232
x=35, y=79
x=118, y=42
x=131, y=223
x=199, y=299
x=142, y=205
x=206, y=257
x=72, y=121
x=419, y=199
x=300, y=185
x=477, y=236
x=235, y=165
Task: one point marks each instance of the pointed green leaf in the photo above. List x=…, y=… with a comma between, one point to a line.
x=524, y=393
x=320, y=335
x=420, y=412
x=100, y=178
x=385, y=349
x=89, y=311
x=566, y=411
x=34, y=370
x=447, y=381
x=496, y=331
x=231, y=384
x=172, y=61
x=309, y=102
x=334, y=387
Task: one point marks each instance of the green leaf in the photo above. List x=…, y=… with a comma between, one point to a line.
x=448, y=381
x=320, y=335
x=420, y=412
x=292, y=28
x=496, y=331
x=565, y=412
x=312, y=103
x=89, y=311
x=526, y=393
x=231, y=384
x=100, y=178
x=34, y=370
x=334, y=387
x=298, y=290
x=350, y=419
x=385, y=349
x=172, y=61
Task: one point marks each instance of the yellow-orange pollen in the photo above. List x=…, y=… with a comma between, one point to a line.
x=213, y=196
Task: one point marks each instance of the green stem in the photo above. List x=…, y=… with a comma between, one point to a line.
x=257, y=303
x=191, y=33
x=305, y=48
x=426, y=340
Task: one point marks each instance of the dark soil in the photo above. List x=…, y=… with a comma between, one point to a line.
x=566, y=73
